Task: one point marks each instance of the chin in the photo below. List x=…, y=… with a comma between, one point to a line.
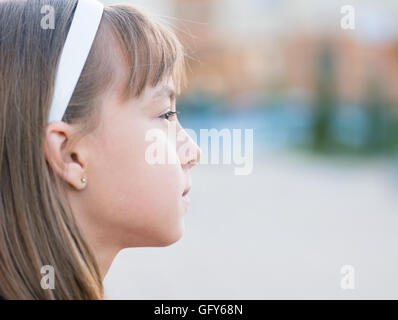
x=162, y=235
x=171, y=236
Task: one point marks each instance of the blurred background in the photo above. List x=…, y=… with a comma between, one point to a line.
x=323, y=193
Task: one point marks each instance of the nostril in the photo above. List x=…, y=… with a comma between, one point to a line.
x=190, y=154
x=192, y=162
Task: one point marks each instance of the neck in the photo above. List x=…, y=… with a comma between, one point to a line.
x=104, y=256
x=97, y=237
x=104, y=250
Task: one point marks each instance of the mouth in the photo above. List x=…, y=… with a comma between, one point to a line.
x=186, y=191
x=185, y=198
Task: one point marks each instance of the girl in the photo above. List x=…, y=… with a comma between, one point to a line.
x=76, y=103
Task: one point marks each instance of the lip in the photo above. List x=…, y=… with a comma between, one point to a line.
x=186, y=200
x=186, y=191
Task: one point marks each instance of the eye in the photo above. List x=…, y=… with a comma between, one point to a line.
x=169, y=114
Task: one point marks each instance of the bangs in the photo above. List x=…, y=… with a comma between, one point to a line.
x=151, y=50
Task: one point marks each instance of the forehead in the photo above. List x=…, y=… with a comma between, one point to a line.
x=164, y=91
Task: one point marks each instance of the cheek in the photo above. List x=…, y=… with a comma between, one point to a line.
x=154, y=185
x=137, y=198
x=156, y=188
x=151, y=212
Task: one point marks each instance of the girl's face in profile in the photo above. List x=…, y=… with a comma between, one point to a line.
x=127, y=200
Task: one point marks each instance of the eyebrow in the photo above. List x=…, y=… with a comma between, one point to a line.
x=165, y=90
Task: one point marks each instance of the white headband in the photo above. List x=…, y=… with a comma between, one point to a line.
x=77, y=46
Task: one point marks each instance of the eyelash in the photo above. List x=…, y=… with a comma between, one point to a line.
x=169, y=114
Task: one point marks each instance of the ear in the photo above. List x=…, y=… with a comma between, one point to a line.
x=69, y=164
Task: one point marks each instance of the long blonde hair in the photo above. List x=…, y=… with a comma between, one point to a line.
x=37, y=225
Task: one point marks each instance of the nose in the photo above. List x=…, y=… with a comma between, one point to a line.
x=188, y=151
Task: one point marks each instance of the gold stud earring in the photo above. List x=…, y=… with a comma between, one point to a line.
x=83, y=180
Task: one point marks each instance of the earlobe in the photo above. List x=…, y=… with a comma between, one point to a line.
x=66, y=163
